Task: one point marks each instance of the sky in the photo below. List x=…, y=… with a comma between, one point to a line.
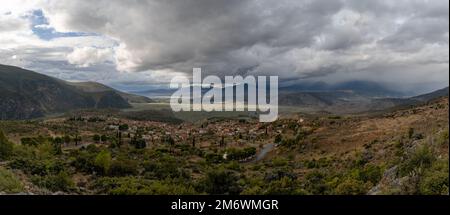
x=137, y=45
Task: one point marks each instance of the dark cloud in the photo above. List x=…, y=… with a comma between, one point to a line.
x=310, y=39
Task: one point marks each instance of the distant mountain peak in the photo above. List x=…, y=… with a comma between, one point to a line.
x=25, y=94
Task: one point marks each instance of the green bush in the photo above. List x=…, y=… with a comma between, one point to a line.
x=279, y=161
x=84, y=161
x=96, y=138
x=283, y=186
x=9, y=183
x=220, y=181
x=123, y=167
x=35, y=141
x=316, y=183
x=239, y=154
x=166, y=167
x=278, y=138
x=214, y=158
x=370, y=173
x=137, y=186
x=351, y=186
x=410, y=132
x=123, y=127
x=279, y=173
x=6, y=147
x=421, y=158
x=443, y=137
x=35, y=166
x=138, y=143
x=102, y=162
x=58, y=182
x=435, y=180
x=36, y=160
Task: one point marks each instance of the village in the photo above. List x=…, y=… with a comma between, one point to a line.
x=209, y=134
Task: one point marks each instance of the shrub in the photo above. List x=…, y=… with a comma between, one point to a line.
x=9, y=182
x=96, y=138
x=279, y=161
x=164, y=168
x=278, y=138
x=138, y=143
x=239, y=154
x=410, y=132
x=370, y=173
x=435, y=180
x=421, y=158
x=123, y=167
x=443, y=137
x=220, y=181
x=36, y=160
x=283, y=186
x=84, y=161
x=316, y=183
x=123, y=127
x=102, y=162
x=136, y=186
x=29, y=141
x=6, y=147
x=213, y=158
x=103, y=138
x=37, y=166
x=58, y=182
x=351, y=186
x=279, y=173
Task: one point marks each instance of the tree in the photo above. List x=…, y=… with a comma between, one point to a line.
x=6, y=147
x=410, y=132
x=221, y=181
x=96, y=138
x=222, y=141
x=123, y=167
x=103, y=161
x=9, y=183
x=138, y=143
x=103, y=138
x=57, y=142
x=67, y=139
x=169, y=140
x=351, y=186
x=278, y=138
x=123, y=127
x=119, y=138
x=77, y=139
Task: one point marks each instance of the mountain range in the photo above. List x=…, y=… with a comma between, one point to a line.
x=25, y=94
x=360, y=87
x=347, y=101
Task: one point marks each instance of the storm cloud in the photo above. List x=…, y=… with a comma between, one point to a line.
x=402, y=42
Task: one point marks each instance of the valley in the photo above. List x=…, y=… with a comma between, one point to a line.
x=401, y=151
x=59, y=138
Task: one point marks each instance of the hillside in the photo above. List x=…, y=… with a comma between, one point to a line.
x=362, y=88
x=415, y=100
x=26, y=94
x=402, y=151
x=94, y=87
x=343, y=102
